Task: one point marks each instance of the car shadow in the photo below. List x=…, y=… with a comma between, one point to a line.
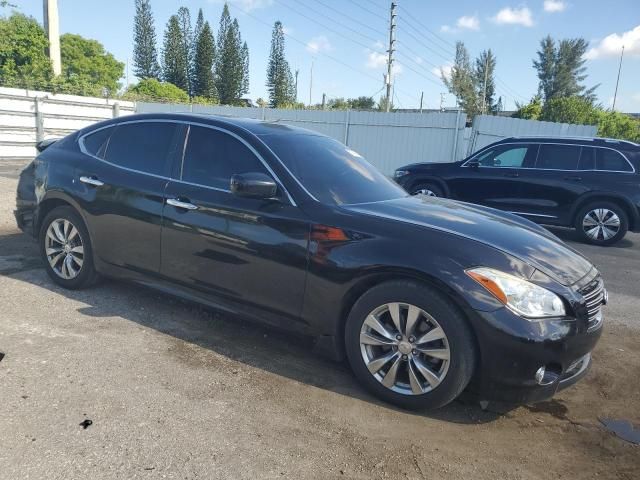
x=255, y=345
x=571, y=235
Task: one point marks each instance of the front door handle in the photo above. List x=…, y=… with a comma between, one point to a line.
x=574, y=179
x=93, y=181
x=512, y=175
x=175, y=202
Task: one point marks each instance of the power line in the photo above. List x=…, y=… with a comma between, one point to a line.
x=362, y=24
x=425, y=28
x=367, y=10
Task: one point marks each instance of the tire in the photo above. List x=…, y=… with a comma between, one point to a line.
x=427, y=189
x=63, y=242
x=407, y=392
x=601, y=223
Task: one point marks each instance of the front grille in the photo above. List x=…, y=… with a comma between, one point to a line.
x=594, y=296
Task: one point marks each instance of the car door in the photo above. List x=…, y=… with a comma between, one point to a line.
x=122, y=186
x=554, y=184
x=247, y=254
x=492, y=177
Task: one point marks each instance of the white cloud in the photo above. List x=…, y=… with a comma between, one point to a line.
x=419, y=60
x=378, y=61
x=246, y=5
x=443, y=70
x=469, y=22
x=554, y=6
x=446, y=29
x=287, y=30
x=611, y=45
x=514, y=16
x=319, y=44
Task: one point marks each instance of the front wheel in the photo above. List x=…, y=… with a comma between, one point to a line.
x=410, y=345
x=427, y=190
x=602, y=223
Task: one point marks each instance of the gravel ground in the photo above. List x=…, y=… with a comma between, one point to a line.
x=175, y=391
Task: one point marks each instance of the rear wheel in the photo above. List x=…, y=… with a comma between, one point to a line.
x=428, y=190
x=602, y=223
x=66, y=249
x=410, y=345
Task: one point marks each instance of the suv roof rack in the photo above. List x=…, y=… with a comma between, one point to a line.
x=574, y=137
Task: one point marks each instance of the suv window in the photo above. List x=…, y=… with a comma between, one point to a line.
x=505, y=156
x=587, y=159
x=96, y=143
x=611, y=160
x=144, y=146
x=558, y=157
x=212, y=157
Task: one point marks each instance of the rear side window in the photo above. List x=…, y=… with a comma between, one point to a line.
x=96, y=143
x=212, y=157
x=611, y=160
x=587, y=159
x=558, y=157
x=145, y=146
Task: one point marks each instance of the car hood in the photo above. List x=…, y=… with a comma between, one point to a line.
x=509, y=233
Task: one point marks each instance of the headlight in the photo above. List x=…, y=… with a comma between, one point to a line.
x=524, y=298
x=400, y=173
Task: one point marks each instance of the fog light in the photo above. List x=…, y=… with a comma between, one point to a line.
x=540, y=375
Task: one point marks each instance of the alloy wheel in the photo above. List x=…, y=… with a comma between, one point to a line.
x=425, y=191
x=64, y=249
x=601, y=224
x=404, y=348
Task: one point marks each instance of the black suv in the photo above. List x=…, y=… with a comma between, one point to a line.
x=591, y=184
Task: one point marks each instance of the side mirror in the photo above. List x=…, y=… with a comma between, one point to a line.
x=473, y=164
x=253, y=185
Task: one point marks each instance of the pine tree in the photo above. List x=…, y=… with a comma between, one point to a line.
x=186, y=45
x=462, y=83
x=232, y=61
x=279, y=78
x=486, y=64
x=204, y=80
x=546, y=67
x=197, y=31
x=145, y=55
x=174, y=65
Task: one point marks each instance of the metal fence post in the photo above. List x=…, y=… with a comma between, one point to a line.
x=346, y=128
x=39, y=119
x=116, y=110
x=456, y=134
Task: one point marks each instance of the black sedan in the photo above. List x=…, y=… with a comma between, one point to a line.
x=424, y=296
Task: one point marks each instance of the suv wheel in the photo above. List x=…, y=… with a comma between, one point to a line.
x=602, y=223
x=410, y=345
x=66, y=249
x=428, y=190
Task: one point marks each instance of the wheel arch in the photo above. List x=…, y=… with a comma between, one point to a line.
x=429, y=179
x=54, y=199
x=619, y=200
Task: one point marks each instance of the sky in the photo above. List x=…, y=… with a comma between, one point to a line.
x=345, y=41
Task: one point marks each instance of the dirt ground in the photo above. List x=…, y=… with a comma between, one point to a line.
x=175, y=391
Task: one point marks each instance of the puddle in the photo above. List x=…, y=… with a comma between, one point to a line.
x=623, y=429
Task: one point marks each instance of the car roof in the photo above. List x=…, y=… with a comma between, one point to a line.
x=254, y=126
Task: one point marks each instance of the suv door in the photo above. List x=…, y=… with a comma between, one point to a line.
x=495, y=181
x=121, y=187
x=554, y=184
x=248, y=254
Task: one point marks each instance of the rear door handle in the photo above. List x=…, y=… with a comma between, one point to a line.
x=175, y=202
x=512, y=175
x=573, y=179
x=91, y=181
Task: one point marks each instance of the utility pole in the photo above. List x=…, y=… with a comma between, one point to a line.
x=442, y=95
x=52, y=29
x=421, y=98
x=324, y=100
x=613, y=108
x=297, y=71
x=392, y=41
x=311, y=83
x=484, y=89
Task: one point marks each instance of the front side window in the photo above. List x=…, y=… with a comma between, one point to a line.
x=587, y=159
x=558, y=157
x=611, y=160
x=332, y=172
x=505, y=156
x=212, y=157
x=143, y=146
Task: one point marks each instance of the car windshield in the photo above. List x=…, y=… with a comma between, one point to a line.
x=331, y=172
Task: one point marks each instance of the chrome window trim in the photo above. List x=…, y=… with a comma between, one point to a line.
x=179, y=180
x=533, y=214
x=633, y=169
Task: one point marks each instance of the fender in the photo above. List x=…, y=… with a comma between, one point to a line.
x=58, y=194
x=634, y=217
